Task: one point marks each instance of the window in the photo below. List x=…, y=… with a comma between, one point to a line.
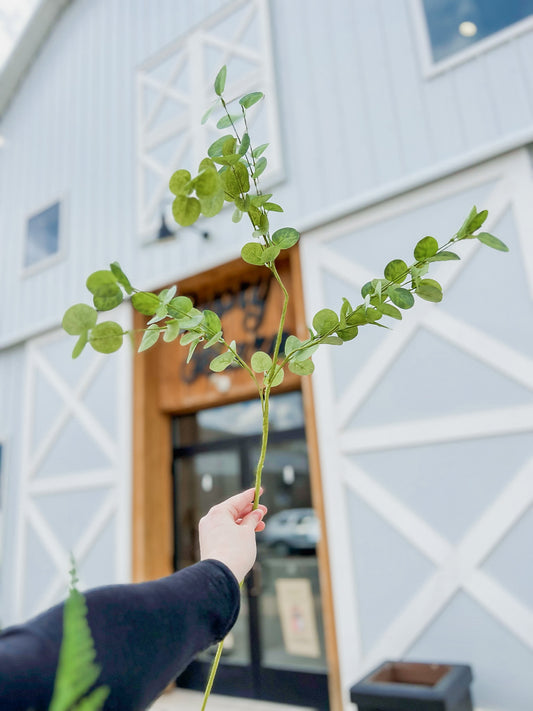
x=456, y=25
x=42, y=236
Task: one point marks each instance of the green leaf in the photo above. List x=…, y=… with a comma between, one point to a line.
x=192, y=348
x=425, y=248
x=260, y=166
x=476, y=222
x=272, y=207
x=236, y=180
x=444, y=257
x=207, y=183
x=220, y=81
x=121, y=277
x=259, y=200
x=348, y=333
x=245, y=145
x=107, y=296
x=172, y=330
x=464, y=229
x=150, y=337
x=261, y=362
x=270, y=253
x=286, y=237
x=251, y=99
x=228, y=120
x=304, y=367
x=79, y=318
x=278, y=378
x=252, y=253
x=212, y=205
x=229, y=147
x=77, y=670
x=221, y=362
x=192, y=319
x=401, y=297
x=180, y=306
x=291, y=344
x=80, y=344
x=189, y=337
x=492, y=241
x=367, y=289
x=217, y=147
x=396, y=271
x=100, y=278
x=211, y=322
x=207, y=114
x=392, y=311
x=186, y=210
x=325, y=321
x=260, y=150
x=227, y=160
x=166, y=295
x=217, y=338
x=106, y=337
x=180, y=182
x=334, y=340
x=429, y=290
x=237, y=215
x=145, y=303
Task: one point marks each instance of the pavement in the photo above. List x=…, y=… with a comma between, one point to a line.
x=187, y=700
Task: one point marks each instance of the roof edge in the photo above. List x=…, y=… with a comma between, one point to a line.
x=26, y=49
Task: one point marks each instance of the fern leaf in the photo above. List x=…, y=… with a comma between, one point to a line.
x=76, y=669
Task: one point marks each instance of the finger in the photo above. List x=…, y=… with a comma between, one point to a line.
x=239, y=505
x=260, y=527
x=253, y=519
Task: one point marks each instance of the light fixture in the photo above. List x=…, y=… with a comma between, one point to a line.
x=467, y=28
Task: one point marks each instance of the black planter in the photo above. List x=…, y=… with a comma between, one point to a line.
x=414, y=686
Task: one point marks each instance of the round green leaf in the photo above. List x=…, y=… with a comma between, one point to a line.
x=150, y=337
x=260, y=166
x=172, y=330
x=106, y=337
x=392, y=311
x=220, y=81
x=100, y=278
x=427, y=247
x=396, y=271
x=186, y=210
x=107, y=297
x=251, y=99
x=179, y=182
x=79, y=318
x=278, y=378
x=217, y=338
x=213, y=204
x=429, y=290
x=333, y=341
x=367, y=289
x=236, y=180
x=221, y=362
x=304, y=367
x=245, y=144
x=291, y=344
x=259, y=150
x=348, y=333
x=217, y=147
x=179, y=306
x=261, y=362
x=272, y=207
x=227, y=120
x=401, y=297
x=252, y=253
x=492, y=241
x=325, y=321
x=207, y=183
x=145, y=303
x=211, y=322
x=444, y=257
x=286, y=237
x=270, y=253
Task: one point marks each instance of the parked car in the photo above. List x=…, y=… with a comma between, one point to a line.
x=291, y=531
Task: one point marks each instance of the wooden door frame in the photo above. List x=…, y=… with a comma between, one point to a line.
x=152, y=506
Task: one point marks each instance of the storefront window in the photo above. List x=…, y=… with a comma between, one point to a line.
x=455, y=25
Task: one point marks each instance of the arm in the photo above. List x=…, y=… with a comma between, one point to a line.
x=144, y=634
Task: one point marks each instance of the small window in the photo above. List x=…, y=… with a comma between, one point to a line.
x=456, y=25
x=42, y=236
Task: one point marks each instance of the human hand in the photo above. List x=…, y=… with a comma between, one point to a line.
x=227, y=532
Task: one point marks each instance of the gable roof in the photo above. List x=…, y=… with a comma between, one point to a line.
x=25, y=51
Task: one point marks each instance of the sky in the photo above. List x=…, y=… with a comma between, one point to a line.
x=13, y=17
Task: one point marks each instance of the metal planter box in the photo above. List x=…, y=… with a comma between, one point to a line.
x=414, y=686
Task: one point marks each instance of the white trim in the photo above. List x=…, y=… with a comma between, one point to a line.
x=431, y=69
x=62, y=245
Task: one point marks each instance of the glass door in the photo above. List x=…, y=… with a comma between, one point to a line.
x=276, y=649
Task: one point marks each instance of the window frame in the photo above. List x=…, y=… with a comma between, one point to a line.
x=56, y=257
x=430, y=68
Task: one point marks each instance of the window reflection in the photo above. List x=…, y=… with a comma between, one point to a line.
x=455, y=25
x=42, y=238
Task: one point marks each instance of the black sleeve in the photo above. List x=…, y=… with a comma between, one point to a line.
x=145, y=634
